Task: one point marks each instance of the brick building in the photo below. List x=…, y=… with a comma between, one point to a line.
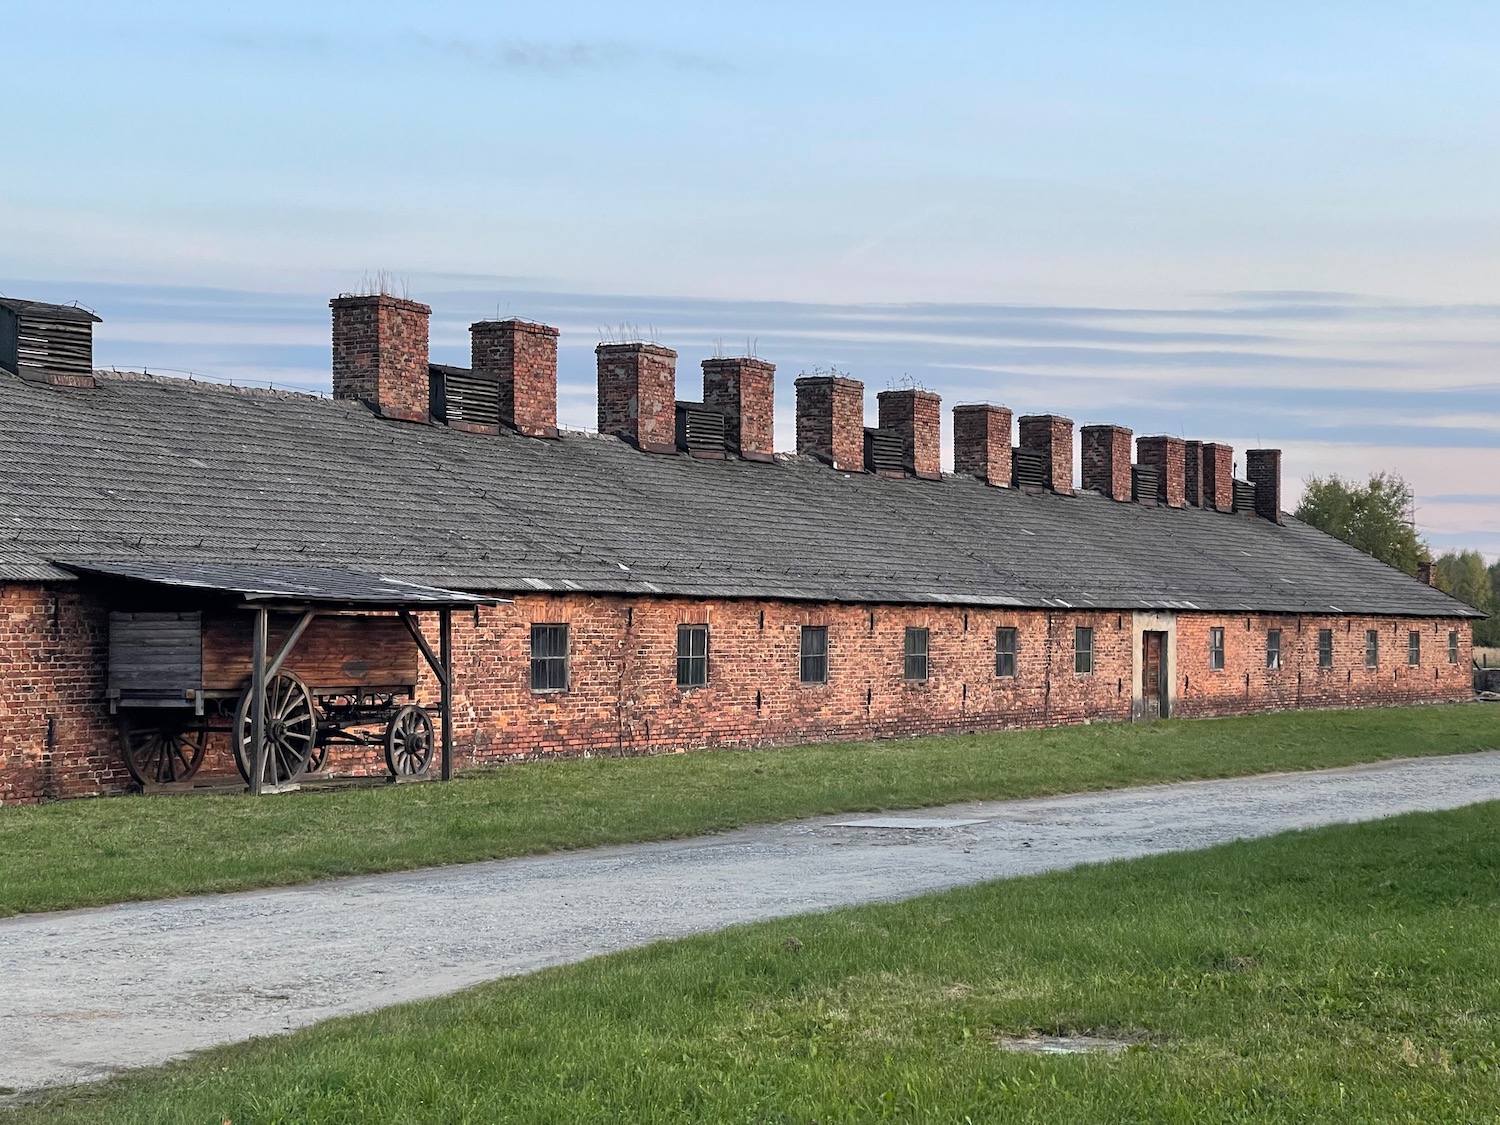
x=672, y=581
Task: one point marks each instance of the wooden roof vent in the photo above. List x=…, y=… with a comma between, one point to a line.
x=44, y=343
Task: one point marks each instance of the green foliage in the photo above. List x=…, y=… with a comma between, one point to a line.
x=1464, y=575
x=1370, y=516
x=1341, y=975
x=81, y=853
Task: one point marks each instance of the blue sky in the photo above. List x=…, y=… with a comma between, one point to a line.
x=1270, y=223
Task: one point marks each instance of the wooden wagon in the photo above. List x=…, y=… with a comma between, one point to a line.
x=335, y=656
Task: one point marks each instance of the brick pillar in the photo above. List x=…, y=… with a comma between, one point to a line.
x=744, y=390
x=1263, y=469
x=831, y=420
x=522, y=357
x=638, y=395
x=981, y=443
x=380, y=354
x=1218, y=477
x=1052, y=434
x=1427, y=572
x=1167, y=453
x=1192, y=473
x=917, y=416
x=1106, y=461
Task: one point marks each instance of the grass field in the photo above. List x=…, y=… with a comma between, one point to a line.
x=80, y=853
x=1342, y=975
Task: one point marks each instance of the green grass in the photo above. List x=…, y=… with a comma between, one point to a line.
x=81, y=853
x=1344, y=975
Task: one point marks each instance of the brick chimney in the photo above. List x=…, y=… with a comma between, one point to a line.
x=1263, y=469
x=1106, y=461
x=981, y=443
x=1427, y=572
x=638, y=395
x=522, y=358
x=380, y=354
x=1167, y=453
x=831, y=420
x=1218, y=477
x=1052, y=436
x=917, y=416
x=743, y=390
x=1192, y=473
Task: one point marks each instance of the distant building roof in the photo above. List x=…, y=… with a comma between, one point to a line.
x=154, y=470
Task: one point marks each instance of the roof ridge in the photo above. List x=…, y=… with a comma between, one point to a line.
x=127, y=376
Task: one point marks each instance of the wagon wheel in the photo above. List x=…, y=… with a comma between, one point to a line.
x=170, y=749
x=408, y=741
x=291, y=727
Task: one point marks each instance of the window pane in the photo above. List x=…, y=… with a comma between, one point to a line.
x=692, y=655
x=916, y=654
x=549, y=657
x=1325, y=648
x=814, y=661
x=1273, y=649
x=1083, y=649
x=1452, y=648
x=1414, y=648
x=1216, y=648
x=1372, y=648
x=1005, y=652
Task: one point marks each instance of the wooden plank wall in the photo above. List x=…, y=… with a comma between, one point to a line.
x=334, y=652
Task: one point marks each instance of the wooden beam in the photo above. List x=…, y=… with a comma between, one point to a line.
x=433, y=660
x=257, y=703
x=445, y=643
x=286, y=646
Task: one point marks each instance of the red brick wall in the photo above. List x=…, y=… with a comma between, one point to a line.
x=522, y=356
x=744, y=389
x=1052, y=434
x=1192, y=476
x=1106, y=461
x=981, y=443
x=623, y=697
x=380, y=354
x=831, y=420
x=917, y=417
x=1218, y=477
x=1168, y=454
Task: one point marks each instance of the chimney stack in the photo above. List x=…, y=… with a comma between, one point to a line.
x=1263, y=469
x=522, y=358
x=1106, y=461
x=638, y=395
x=380, y=354
x=917, y=416
x=743, y=390
x=831, y=420
x=1192, y=474
x=1168, y=455
x=1051, y=435
x=1218, y=477
x=981, y=443
x=1427, y=572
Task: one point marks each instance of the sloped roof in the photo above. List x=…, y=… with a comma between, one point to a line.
x=165, y=470
x=43, y=311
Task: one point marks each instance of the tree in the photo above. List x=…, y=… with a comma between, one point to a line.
x=1372, y=516
x=1463, y=574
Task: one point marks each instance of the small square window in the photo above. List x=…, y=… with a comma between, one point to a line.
x=1453, y=647
x=916, y=653
x=1325, y=648
x=1414, y=647
x=1216, y=649
x=814, y=661
x=1273, y=649
x=1005, y=651
x=692, y=655
x=1083, y=649
x=1372, y=648
x=549, y=658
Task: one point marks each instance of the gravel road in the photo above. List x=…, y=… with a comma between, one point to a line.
x=84, y=993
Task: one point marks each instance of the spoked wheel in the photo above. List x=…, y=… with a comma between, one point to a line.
x=162, y=749
x=409, y=741
x=291, y=727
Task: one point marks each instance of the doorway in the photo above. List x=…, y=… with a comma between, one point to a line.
x=1154, y=676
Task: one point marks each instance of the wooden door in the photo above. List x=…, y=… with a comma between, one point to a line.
x=1154, y=674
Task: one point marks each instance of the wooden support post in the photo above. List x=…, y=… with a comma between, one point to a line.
x=445, y=646
x=257, y=702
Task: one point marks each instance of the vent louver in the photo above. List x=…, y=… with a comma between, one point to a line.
x=1146, y=484
x=1244, y=496
x=1029, y=467
x=457, y=395
x=885, y=452
x=47, y=343
x=700, y=429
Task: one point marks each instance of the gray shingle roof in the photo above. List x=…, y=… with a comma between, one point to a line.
x=163, y=470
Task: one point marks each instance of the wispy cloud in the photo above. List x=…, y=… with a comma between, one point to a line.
x=576, y=55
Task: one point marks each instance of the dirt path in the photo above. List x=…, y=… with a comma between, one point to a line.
x=87, y=992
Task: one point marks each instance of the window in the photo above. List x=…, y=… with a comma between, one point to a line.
x=1273, y=649
x=1452, y=647
x=549, y=658
x=1372, y=648
x=1414, y=647
x=1325, y=648
x=692, y=655
x=1005, y=652
x=1216, y=649
x=916, y=653
x=1083, y=649
x=814, y=654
